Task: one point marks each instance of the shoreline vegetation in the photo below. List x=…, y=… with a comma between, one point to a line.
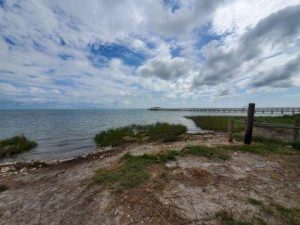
x=15, y=145
x=164, y=132
x=155, y=174
x=220, y=123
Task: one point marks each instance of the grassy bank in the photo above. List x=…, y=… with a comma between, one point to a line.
x=220, y=123
x=139, y=133
x=15, y=145
x=133, y=171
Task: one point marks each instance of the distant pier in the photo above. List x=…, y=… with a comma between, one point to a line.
x=269, y=110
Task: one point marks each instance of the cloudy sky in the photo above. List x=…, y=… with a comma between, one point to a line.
x=142, y=53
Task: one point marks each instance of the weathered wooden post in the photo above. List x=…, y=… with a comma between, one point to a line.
x=296, y=131
x=249, y=126
x=230, y=130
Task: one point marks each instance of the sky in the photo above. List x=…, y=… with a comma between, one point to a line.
x=145, y=53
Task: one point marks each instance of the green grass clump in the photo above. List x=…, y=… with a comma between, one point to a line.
x=132, y=170
x=254, y=201
x=154, y=132
x=113, y=137
x=262, y=149
x=292, y=215
x=296, y=145
x=217, y=123
x=161, y=131
x=261, y=139
x=227, y=219
x=263, y=146
x=15, y=145
x=217, y=152
x=3, y=188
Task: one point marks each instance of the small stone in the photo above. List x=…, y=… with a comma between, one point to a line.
x=23, y=170
x=116, y=212
x=5, y=169
x=242, y=189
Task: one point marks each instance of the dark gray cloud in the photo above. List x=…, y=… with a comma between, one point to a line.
x=278, y=30
x=165, y=69
x=279, y=76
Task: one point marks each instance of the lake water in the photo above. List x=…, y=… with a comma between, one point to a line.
x=66, y=133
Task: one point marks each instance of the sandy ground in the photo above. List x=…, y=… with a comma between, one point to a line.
x=196, y=189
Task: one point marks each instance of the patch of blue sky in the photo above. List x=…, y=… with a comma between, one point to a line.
x=150, y=45
x=137, y=86
x=205, y=35
x=6, y=72
x=65, y=82
x=172, y=4
x=62, y=41
x=37, y=46
x=9, y=41
x=175, y=52
x=101, y=53
x=50, y=71
x=66, y=57
x=2, y=2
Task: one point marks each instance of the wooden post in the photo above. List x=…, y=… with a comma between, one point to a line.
x=250, y=120
x=230, y=130
x=296, y=131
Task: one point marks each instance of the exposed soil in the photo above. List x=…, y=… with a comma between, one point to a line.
x=190, y=190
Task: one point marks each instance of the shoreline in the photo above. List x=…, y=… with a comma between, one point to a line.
x=99, y=153
x=65, y=190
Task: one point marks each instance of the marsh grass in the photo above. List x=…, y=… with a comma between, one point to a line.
x=15, y=145
x=217, y=123
x=154, y=132
x=220, y=123
x=285, y=119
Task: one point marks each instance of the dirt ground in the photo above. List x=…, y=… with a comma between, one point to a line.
x=193, y=192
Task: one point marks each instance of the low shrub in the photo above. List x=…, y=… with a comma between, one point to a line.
x=15, y=145
x=296, y=145
x=154, y=132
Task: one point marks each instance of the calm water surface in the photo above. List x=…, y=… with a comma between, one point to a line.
x=67, y=133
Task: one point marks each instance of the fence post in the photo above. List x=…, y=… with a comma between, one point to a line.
x=296, y=131
x=250, y=120
x=230, y=130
